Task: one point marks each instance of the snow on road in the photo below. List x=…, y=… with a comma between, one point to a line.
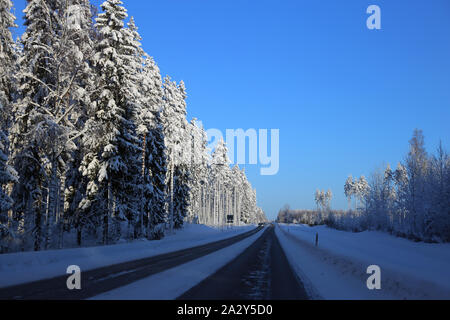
x=18, y=268
x=337, y=268
x=170, y=284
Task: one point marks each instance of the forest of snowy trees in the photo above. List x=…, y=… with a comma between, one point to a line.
x=412, y=201
x=94, y=144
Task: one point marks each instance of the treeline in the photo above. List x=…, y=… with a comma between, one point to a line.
x=412, y=201
x=309, y=217
x=94, y=144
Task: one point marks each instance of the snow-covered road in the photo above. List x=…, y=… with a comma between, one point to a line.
x=170, y=284
x=337, y=268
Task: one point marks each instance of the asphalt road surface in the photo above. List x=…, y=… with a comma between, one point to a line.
x=262, y=272
x=105, y=279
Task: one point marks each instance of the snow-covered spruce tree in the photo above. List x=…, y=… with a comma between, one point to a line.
x=244, y=190
x=8, y=56
x=142, y=119
x=39, y=139
x=199, y=171
x=7, y=176
x=182, y=173
x=155, y=205
x=173, y=116
x=8, y=62
x=154, y=162
x=79, y=37
x=112, y=159
x=220, y=173
x=66, y=102
x=181, y=194
x=249, y=203
x=237, y=182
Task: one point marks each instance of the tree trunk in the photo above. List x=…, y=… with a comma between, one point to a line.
x=79, y=233
x=107, y=214
x=171, y=196
x=52, y=204
x=61, y=213
x=144, y=151
x=37, y=222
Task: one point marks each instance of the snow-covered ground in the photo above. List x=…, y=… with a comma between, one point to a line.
x=170, y=284
x=18, y=268
x=337, y=268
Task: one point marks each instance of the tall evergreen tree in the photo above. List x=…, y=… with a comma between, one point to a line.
x=38, y=137
x=8, y=56
x=154, y=164
x=199, y=171
x=7, y=174
x=79, y=37
x=173, y=116
x=112, y=160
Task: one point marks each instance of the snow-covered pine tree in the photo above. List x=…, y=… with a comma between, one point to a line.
x=349, y=190
x=417, y=167
x=111, y=162
x=362, y=189
x=388, y=197
x=328, y=199
x=401, y=211
x=437, y=222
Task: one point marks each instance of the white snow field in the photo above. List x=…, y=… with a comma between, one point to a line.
x=18, y=268
x=170, y=284
x=337, y=268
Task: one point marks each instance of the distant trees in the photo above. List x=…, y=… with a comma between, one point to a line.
x=413, y=201
x=309, y=217
x=93, y=143
x=323, y=200
x=356, y=189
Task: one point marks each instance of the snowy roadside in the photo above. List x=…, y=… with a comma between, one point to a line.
x=24, y=267
x=337, y=268
x=171, y=284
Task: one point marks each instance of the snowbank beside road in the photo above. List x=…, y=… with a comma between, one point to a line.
x=18, y=268
x=171, y=284
x=337, y=268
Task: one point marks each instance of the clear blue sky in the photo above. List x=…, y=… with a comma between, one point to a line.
x=346, y=99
